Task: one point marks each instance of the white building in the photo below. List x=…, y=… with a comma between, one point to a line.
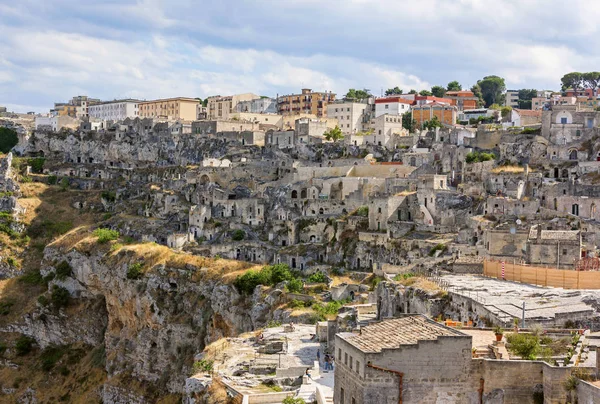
x=350, y=115
x=117, y=110
x=56, y=123
x=392, y=105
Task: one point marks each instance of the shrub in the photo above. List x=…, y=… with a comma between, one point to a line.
x=296, y=304
x=60, y=297
x=50, y=356
x=439, y=247
x=268, y=276
x=12, y=262
x=135, y=271
x=203, y=365
x=52, y=179
x=43, y=300
x=295, y=286
x=106, y=235
x=37, y=164
x=362, y=211
x=115, y=247
x=24, y=345
x=26, y=179
x=403, y=277
x=63, y=270
x=64, y=184
x=238, y=235
x=478, y=157
x=527, y=346
x=8, y=139
x=5, y=306
x=32, y=278
x=109, y=196
x=293, y=400
x=317, y=277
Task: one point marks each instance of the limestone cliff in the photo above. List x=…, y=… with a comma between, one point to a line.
x=152, y=323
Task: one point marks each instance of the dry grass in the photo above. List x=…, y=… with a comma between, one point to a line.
x=419, y=282
x=508, y=169
x=338, y=280
x=79, y=386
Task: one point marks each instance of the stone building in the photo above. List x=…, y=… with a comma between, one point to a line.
x=411, y=359
x=555, y=248
x=564, y=124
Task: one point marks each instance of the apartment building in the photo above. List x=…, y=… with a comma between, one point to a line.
x=463, y=100
x=220, y=107
x=396, y=105
x=351, y=116
x=308, y=102
x=181, y=108
x=511, y=98
x=116, y=110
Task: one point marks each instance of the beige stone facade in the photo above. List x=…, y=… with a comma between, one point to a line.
x=219, y=107
x=179, y=108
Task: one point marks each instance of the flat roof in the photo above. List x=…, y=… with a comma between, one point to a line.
x=170, y=99
x=395, y=332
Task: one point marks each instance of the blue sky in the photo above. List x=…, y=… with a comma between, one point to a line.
x=54, y=49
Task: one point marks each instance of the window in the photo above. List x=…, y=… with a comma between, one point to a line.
x=339, y=354
x=342, y=396
x=387, y=106
x=353, y=400
x=351, y=361
x=345, y=358
x=357, y=366
x=564, y=252
x=563, y=120
x=348, y=110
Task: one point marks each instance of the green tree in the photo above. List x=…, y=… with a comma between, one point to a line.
x=591, y=80
x=8, y=139
x=393, y=91
x=476, y=90
x=425, y=93
x=505, y=112
x=438, y=91
x=408, y=122
x=572, y=80
x=334, y=134
x=354, y=94
x=454, y=86
x=432, y=124
x=412, y=91
x=492, y=88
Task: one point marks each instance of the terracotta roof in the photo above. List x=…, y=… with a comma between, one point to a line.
x=393, y=99
x=392, y=333
x=460, y=93
x=434, y=104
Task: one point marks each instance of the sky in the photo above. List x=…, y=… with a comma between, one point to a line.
x=52, y=50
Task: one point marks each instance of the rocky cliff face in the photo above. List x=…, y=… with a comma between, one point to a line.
x=152, y=326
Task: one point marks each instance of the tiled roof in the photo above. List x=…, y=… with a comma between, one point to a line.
x=393, y=333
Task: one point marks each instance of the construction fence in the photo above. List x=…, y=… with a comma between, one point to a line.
x=558, y=278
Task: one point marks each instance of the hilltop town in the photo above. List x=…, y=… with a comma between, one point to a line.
x=437, y=246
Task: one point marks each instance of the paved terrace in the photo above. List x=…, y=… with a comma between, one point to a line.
x=505, y=298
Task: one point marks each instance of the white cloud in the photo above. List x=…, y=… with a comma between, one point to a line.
x=158, y=48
